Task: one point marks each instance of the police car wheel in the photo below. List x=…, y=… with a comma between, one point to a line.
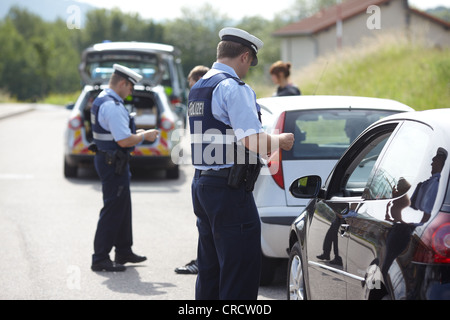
x=173, y=173
x=70, y=171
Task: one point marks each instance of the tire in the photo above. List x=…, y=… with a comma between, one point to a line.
x=268, y=267
x=70, y=171
x=173, y=173
x=295, y=278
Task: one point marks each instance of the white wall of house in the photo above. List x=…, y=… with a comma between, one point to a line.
x=436, y=34
x=300, y=51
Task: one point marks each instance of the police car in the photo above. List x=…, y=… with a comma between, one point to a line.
x=157, y=102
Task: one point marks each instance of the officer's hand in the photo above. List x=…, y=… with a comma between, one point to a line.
x=151, y=135
x=286, y=141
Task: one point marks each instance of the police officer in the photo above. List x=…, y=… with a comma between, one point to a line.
x=226, y=135
x=115, y=136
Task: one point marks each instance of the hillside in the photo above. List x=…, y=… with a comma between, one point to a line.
x=389, y=67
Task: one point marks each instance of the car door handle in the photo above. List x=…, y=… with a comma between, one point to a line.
x=343, y=228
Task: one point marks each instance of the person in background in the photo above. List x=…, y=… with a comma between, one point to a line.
x=280, y=72
x=196, y=74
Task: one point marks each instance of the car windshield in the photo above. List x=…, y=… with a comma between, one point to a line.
x=326, y=134
x=103, y=70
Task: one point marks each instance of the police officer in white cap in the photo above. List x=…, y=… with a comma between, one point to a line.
x=223, y=116
x=115, y=136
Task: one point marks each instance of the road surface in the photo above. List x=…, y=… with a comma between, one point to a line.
x=47, y=222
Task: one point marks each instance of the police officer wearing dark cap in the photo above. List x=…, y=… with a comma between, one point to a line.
x=226, y=137
x=115, y=136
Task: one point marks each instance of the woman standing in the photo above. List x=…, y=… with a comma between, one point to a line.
x=280, y=72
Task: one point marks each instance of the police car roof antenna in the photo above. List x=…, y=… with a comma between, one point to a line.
x=320, y=80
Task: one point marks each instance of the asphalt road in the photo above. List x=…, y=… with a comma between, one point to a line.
x=47, y=222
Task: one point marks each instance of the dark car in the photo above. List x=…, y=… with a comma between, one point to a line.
x=379, y=228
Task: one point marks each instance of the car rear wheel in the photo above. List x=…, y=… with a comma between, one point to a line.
x=70, y=171
x=173, y=173
x=296, y=282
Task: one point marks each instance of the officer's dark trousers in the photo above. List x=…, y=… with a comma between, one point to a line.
x=114, y=225
x=229, y=246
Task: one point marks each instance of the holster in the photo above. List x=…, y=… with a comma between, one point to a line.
x=121, y=160
x=116, y=158
x=244, y=174
x=253, y=171
x=237, y=175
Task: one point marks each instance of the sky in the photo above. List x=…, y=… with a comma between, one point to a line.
x=235, y=9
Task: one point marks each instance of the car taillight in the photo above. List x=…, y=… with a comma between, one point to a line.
x=167, y=124
x=441, y=243
x=175, y=100
x=434, y=245
x=274, y=164
x=276, y=169
x=75, y=123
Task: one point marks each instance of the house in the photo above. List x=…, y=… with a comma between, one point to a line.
x=347, y=23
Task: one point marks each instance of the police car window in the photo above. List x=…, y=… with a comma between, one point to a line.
x=405, y=163
x=326, y=134
x=103, y=70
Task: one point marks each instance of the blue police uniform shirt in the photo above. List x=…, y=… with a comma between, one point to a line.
x=235, y=105
x=113, y=117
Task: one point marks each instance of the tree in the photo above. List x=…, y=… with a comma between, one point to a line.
x=20, y=63
x=37, y=57
x=196, y=34
x=305, y=8
x=113, y=25
x=263, y=28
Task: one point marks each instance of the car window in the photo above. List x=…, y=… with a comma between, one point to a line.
x=355, y=168
x=405, y=163
x=326, y=134
x=103, y=70
x=363, y=167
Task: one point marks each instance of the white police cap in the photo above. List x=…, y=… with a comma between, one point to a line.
x=127, y=73
x=244, y=38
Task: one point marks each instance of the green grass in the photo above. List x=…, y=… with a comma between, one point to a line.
x=389, y=67
x=61, y=99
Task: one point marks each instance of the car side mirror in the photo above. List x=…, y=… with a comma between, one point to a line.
x=306, y=187
x=70, y=106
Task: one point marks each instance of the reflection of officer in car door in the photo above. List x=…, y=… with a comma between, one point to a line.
x=223, y=111
x=423, y=199
x=115, y=136
x=425, y=193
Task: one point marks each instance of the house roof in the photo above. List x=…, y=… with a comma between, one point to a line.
x=329, y=16
x=432, y=18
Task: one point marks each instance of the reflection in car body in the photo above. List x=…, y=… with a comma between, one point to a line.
x=390, y=238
